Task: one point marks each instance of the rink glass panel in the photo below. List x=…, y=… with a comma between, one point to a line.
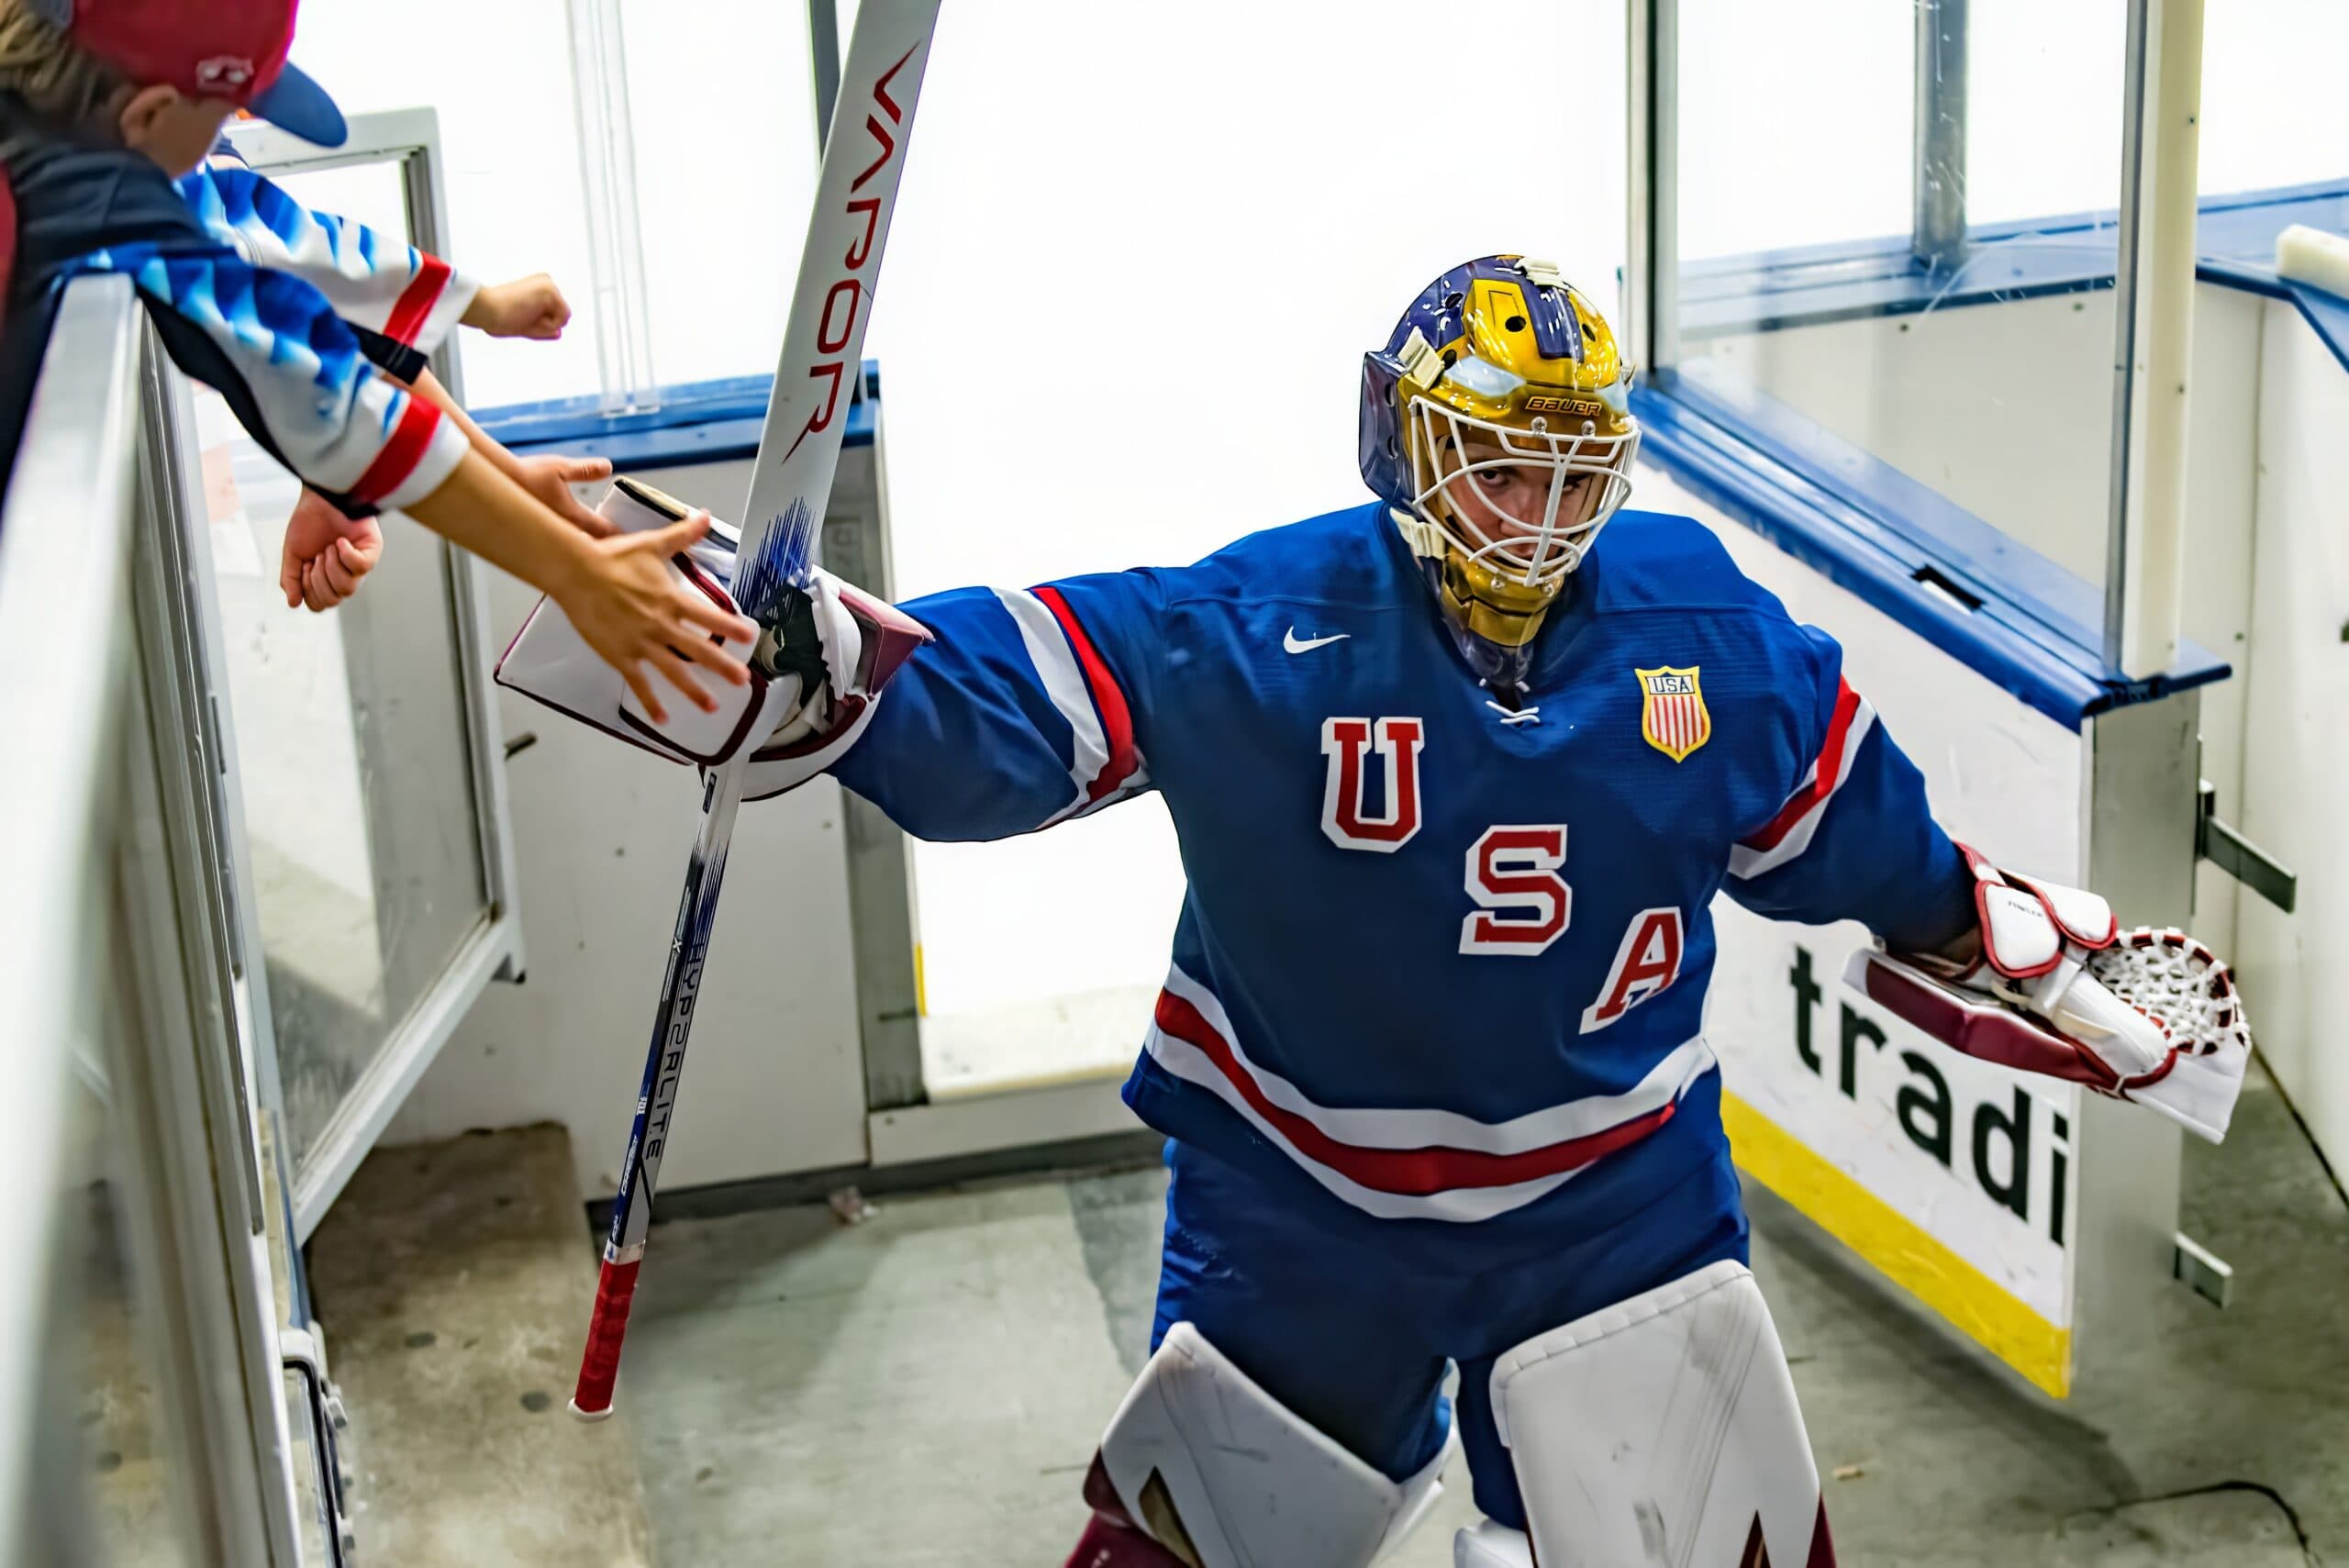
x=1814, y=299
x=2272, y=119
x=1873, y=256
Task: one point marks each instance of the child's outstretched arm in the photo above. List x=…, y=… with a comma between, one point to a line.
x=377, y=283
x=388, y=289
x=618, y=590
x=404, y=302
x=327, y=555
x=299, y=381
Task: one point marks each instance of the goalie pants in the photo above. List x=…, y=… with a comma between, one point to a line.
x=1354, y=1338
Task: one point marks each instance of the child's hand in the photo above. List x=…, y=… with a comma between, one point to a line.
x=551, y=479
x=633, y=613
x=526, y=308
x=326, y=553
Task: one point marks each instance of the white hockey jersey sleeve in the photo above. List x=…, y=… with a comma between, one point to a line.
x=376, y=283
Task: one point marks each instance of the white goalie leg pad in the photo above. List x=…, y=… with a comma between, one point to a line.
x=1219, y=1473
x=1663, y=1429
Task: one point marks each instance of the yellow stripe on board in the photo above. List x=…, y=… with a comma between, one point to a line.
x=1912, y=1259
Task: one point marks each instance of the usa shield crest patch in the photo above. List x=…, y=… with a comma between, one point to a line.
x=1672, y=711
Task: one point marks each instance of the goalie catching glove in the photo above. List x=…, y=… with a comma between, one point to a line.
x=2147, y=1015
x=815, y=676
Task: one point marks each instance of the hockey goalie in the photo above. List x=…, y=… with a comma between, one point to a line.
x=1457, y=775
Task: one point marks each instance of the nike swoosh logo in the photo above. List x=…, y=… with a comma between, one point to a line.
x=1296, y=644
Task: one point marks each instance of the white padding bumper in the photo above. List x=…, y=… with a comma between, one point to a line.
x=1203, y=1459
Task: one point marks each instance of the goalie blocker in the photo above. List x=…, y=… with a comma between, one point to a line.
x=2148, y=1014
x=814, y=679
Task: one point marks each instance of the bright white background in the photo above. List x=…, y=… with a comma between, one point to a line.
x=723, y=104
x=721, y=101
x=1797, y=120
x=1140, y=254
x=1142, y=248
x=1223, y=131
x=499, y=73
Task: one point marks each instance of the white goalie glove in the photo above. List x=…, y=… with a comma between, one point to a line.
x=814, y=678
x=2148, y=1014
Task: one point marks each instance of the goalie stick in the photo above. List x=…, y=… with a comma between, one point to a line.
x=857, y=195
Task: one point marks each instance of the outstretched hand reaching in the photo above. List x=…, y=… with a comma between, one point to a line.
x=632, y=611
x=326, y=553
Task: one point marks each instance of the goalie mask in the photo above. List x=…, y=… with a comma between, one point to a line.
x=1496, y=425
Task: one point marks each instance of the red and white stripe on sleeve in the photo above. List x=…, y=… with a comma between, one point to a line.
x=1105, y=765
x=1789, y=833
x=422, y=451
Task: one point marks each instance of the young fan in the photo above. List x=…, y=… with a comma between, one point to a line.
x=104, y=104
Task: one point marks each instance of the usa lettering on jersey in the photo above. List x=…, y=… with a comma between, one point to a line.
x=1523, y=904
x=1374, y=1065
x=1648, y=961
x=1349, y=744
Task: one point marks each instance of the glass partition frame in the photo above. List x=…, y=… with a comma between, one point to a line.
x=123, y=968
x=408, y=140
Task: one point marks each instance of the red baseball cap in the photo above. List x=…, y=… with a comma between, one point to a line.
x=207, y=49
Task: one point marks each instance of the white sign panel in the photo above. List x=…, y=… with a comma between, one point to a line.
x=1951, y=1175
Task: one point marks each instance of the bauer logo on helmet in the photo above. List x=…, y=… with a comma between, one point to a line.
x=1588, y=407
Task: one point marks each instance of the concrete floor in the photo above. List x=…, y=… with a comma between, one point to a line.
x=924, y=1388
x=452, y=1281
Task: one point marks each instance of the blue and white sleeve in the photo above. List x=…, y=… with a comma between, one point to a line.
x=1029, y=708
x=1855, y=838
x=294, y=375
x=374, y=283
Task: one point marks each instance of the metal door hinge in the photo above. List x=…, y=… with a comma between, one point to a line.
x=304, y=1355
x=2220, y=844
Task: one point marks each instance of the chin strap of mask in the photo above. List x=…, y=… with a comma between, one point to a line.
x=1502, y=669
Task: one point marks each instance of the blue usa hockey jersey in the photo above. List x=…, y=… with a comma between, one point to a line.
x=1443, y=959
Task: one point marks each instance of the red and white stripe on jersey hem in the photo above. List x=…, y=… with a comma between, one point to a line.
x=1104, y=766
x=1413, y=1164
x=1789, y=832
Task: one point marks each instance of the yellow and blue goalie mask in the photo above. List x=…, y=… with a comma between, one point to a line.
x=1496, y=425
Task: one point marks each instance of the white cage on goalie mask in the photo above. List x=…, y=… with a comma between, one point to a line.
x=1538, y=552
